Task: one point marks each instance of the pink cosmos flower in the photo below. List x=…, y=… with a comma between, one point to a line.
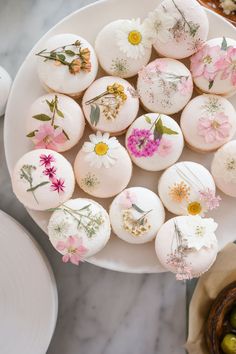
x=165, y=147
x=46, y=160
x=203, y=62
x=141, y=143
x=50, y=172
x=185, y=86
x=58, y=185
x=74, y=249
x=229, y=65
x=211, y=200
x=48, y=138
x=216, y=128
x=127, y=199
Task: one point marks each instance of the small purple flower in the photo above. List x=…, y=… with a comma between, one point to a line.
x=50, y=172
x=46, y=160
x=141, y=143
x=58, y=185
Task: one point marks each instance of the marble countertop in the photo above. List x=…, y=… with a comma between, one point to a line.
x=100, y=311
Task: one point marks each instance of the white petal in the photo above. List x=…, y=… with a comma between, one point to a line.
x=88, y=147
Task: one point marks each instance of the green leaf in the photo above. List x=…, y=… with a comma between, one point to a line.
x=50, y=105
x=210, y=84
x=60, y=113
x=35, y=187
x=169, y=131
x=94, y=114
x=70, y=52
x=139, y=210
x=148, y=119
x=66, y=135
x=85, y=207
x=224, y=44
x=42, y=117
x=161, y=129
x=61, y=57
x=31, y=134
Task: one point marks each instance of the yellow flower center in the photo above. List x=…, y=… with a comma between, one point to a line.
x=194, y=208
x=215, y=124
x=101, y=148
x=135, y=37
x=207, y=59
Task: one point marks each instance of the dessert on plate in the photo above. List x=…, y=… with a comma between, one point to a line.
x=136, y=214
x=5, y=86
x=55, y=122
x=123, y=47
x=154, y=141
x=43, y=179
x=110, y=105
x=213, y=67
x=179, y=28
x=164, y=86
x=188, y=188
x=187, y=246
x=78, y=229
x=67, y=64
x=208, y=122
x=223, y=168
x=102, y=167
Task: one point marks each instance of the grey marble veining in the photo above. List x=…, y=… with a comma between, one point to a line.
x=100, y=311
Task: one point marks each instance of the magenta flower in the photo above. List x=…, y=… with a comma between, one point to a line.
x=210, y=199
x=50, y=172
x=216, y=128
x=141, y=143
x=48, y=138
x=127, y=199
x=229, y=66
x=203, y=63
x=58, y=185
x=46, y=160
x=74, y=249
x=185, y=85
x=165, y=147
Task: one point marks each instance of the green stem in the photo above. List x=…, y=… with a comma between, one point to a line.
x=96, y=98
x=32, y=189
x=182, y=15
x=55, y=59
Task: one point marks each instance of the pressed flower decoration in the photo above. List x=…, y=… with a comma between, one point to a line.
x=73, y=249
x=226, y=165
x=73, y=55
x=135, y=220
x=133, y=38
x=101, y=150
x=120, y=67
x=109, y=102
x=147, y=142
x=49, y=135
x=89, y=182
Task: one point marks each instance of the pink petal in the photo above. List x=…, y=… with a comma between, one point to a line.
x=75, y=259
x=60, y=246
x=66, y=258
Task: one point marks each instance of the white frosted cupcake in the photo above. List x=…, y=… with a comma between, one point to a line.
x=110, y=105
x=208, y=122
x=179, y=27
x=154, y=141
x=123, y=47
x=103, y=167
x=213, y=67
x=78, y=229
x=165, y=86
x=43, y=179
x=55, y=122
x=187, y=246
x=223, y=168
x=136, y=215
x=5, y=86
x=67, y=64
x=187, y=188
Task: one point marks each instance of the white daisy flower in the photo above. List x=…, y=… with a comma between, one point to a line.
x=198, y=232
x=101, y=150
x=133, y=38
x=226, y=166
x=195, y=206
x=158, y=24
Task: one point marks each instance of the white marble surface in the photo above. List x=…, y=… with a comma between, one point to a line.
x=100, y=311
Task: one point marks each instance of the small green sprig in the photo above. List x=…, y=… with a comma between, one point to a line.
x=159, y=127
x=193, y=27
x=26, y=173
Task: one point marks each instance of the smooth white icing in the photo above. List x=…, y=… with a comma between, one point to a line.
x=207, y=107
x=72, y=123
x=126, y=113
x=146, y=200
x=44, y=197
x=69, y=226
x=161, y=86
x=158, y=161
x=5, y=85
x=57, y=77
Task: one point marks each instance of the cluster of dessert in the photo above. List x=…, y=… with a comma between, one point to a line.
x=67, y=66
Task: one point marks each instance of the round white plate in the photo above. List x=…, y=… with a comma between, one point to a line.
x=87, y=22
x=28, y=293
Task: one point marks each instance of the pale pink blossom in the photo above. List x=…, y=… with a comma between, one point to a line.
x=229, y=65
x=210, y=199
x=74, y=249
x=127, y=199
x=155, y=67
x=48, y=138
x=165, y=147
x=185, y=85
x=203, y=62
x=215, y=128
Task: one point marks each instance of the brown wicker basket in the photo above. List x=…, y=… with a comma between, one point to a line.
x=214, y=5
x=218, y=324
